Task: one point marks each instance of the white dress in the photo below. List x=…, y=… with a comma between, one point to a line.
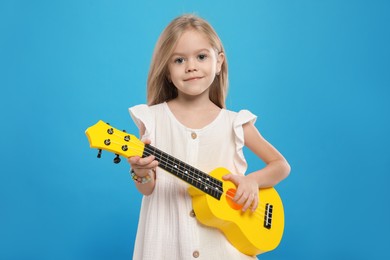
x=167, y=228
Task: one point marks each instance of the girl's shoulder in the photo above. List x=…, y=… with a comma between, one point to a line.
x=146, y=110
x=157, y=107
x=241, y=117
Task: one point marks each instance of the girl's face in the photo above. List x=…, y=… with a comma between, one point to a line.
x=194, y=64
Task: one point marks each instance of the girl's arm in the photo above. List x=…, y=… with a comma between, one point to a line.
x=276, y=169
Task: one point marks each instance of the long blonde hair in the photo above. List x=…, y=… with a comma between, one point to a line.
x=159, y=88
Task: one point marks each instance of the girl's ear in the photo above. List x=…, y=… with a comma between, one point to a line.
x=220, y=60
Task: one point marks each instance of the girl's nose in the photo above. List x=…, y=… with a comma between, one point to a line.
x=191, y=70
x=191, y=67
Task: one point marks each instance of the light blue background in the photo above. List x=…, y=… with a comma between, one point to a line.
x=315, y=72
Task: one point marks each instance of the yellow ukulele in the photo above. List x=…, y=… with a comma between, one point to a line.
x=251, y=233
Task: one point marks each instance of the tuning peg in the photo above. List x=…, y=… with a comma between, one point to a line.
x=124, y=131
x=117, y=159
x=99, y=153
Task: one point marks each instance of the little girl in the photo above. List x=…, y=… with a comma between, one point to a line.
x=186, y=118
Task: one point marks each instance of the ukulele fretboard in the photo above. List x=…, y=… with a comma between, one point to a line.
x=186, y=172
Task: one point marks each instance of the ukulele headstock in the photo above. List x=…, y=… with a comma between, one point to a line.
x=102, y=136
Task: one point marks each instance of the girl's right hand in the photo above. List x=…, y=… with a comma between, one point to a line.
x=143, y=166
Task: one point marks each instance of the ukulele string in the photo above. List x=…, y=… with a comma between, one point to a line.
x=141, y=147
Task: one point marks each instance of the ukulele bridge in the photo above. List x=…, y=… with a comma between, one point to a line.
x=268, y=216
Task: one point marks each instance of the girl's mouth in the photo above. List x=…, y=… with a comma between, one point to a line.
x=192, y=78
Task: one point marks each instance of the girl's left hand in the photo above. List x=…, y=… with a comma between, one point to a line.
x=247, y=193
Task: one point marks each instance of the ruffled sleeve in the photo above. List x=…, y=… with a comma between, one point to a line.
x=243, y=117
x=143, y=118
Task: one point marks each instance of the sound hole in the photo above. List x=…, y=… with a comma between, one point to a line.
x=229, y=198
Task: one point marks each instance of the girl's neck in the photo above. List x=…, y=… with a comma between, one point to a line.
x=195, y=113
x=193, y=102
x=192, y=106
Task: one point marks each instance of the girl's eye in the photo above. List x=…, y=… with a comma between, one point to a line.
x=202, y=57
x=179, y=60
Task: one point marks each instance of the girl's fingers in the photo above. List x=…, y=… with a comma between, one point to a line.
x=248, y=200
x=247, y=203
x=146, y=161
x=241, y=197
x=255, y=203
x=133, y=160
x=245, y=193
x=147, y=141
x=138, y=162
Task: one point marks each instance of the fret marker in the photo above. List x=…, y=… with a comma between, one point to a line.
x=176, y=166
